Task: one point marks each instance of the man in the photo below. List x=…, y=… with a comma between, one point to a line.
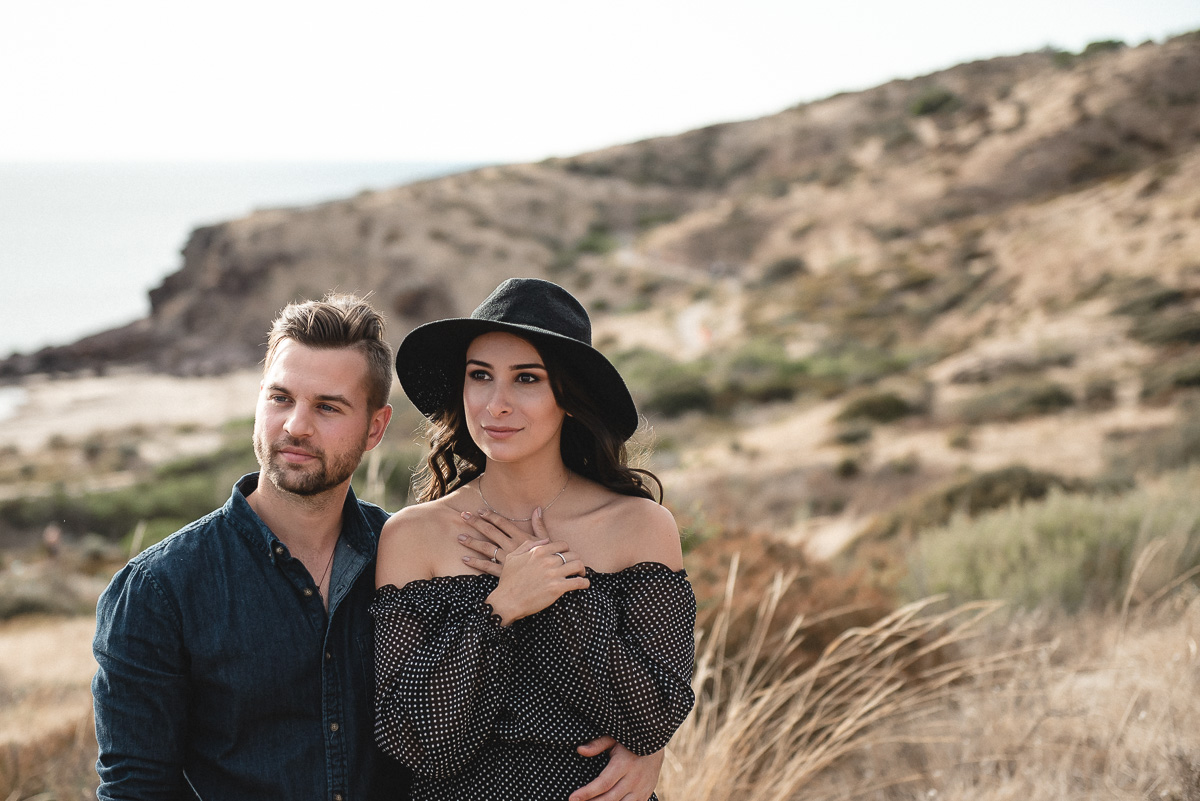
x=235, y=657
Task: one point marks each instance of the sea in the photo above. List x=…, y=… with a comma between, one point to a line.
x=81, y=244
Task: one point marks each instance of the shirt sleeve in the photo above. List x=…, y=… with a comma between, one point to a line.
x=441, y=672
x=140, y=690
x=627, y=652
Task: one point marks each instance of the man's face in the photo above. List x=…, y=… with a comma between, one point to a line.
x=311, y=424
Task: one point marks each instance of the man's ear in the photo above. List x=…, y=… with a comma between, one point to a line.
x=379, y=423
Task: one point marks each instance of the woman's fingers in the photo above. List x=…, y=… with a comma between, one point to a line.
x=488, y=529
x=539, y=525
x=484, y=565
x=503, y=525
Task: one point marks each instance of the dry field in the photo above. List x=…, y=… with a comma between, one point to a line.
x=930, y=702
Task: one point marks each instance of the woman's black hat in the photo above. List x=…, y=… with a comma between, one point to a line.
x=431, y=361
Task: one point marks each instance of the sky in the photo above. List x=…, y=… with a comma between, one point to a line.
x=478, y=81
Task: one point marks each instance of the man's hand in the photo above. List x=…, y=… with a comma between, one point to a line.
x=627, y=777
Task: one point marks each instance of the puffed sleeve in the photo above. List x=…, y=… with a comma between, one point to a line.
x=627, y=652
x=140, y=690
x=441, y=671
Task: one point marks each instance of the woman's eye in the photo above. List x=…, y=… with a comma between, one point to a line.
x=527, y=378
x=477, y=375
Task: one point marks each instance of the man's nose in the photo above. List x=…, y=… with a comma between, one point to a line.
x=298, y=422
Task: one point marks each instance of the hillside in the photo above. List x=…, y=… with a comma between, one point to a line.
x=825, y=313
x=938, y=337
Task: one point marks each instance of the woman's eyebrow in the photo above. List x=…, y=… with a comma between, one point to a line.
x=530, y=366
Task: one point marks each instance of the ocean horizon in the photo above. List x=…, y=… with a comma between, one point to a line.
x=81, y=244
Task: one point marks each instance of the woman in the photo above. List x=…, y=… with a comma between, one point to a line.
x=493, y=667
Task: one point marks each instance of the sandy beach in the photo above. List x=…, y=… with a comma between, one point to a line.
x=75, y=408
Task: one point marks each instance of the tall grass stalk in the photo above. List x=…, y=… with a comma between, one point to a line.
x=766, y=724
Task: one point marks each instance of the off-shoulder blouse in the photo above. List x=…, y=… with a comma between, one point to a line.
x=484, y=712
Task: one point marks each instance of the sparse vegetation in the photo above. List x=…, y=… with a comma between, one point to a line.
x=969, y=496
x=1070, y=551
x=1175, y=372
x=934, y=100
x=880, y=407
x=1014, y=400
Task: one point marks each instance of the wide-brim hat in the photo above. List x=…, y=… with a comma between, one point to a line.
x=431, y=361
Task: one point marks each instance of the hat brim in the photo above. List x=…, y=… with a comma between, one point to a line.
x=431, y=362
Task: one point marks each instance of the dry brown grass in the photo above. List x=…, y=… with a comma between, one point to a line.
x=766, y=726
x=942, y=704
x=927, y=702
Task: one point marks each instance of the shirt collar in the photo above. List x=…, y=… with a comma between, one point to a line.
x=355, y=531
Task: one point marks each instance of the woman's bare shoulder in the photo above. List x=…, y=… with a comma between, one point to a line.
x=647, y=531
x=414, y=538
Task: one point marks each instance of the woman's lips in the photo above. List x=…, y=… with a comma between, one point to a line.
x=498, y=432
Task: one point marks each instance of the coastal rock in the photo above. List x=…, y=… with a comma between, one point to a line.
x=922, y=180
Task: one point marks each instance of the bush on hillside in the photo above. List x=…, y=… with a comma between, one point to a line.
x=934, y=100
x=970, y=496
x=880, y=407
x=1068, y=551
x=1181, y=327
x=1014, y=400
x=1181, y=371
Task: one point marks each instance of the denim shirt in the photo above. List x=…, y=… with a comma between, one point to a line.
x=222, y=676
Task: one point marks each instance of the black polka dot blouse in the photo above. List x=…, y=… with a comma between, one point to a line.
x=484, y=712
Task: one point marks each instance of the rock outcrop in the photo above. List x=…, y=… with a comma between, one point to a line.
x=1017, y=178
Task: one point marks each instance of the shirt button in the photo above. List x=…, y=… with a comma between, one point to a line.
x=279, y=550
x=328, y=655
x=337, y=797
x=308, y=592
x=333, y=727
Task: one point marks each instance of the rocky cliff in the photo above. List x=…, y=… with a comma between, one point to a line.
x=971, y=196
x=852, y=317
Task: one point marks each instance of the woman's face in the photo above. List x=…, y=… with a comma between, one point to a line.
x=510, y=407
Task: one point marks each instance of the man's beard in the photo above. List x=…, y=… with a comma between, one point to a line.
x=311, y=480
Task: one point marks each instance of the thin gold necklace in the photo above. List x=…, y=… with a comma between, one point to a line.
x=492, y=509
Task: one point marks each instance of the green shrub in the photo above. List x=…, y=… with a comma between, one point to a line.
x=1014, y=401
x=598, y=240
x=1163, y=378
x=934, y=100
x=971, y=495
x=1172, y=329
x=759, y=371
x=1068, y=551
x=181, y=490
x=881, y=407
x=783, y=269
x=850, y=364
x=1102, y=46
x=853, y=434
x=1099, y=393
x=665, y=386
x=1148, y=298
